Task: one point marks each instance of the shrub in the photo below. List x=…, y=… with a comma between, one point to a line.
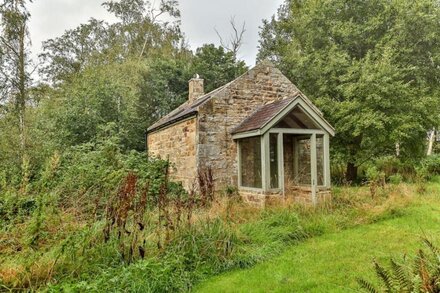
x=392, y=165
x=395, y=179
x=375, y=178
x=14, y=208
x=432, y=165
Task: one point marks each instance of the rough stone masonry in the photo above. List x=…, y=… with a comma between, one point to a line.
x=204, y=139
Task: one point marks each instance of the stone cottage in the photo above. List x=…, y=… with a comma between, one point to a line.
x=258, y=133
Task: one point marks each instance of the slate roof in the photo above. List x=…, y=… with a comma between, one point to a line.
x=262, y=116
x=189, y=109
x=185, y=110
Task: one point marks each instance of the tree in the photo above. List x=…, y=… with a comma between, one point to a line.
x=217, y=66
x=141, y=25
x=138, y=33
x=372, y=66
x=14, y=62
x=235, y=41
x=76, y=112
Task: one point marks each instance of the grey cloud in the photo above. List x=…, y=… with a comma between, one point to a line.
x=199, y=18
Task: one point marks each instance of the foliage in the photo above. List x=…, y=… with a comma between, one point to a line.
x=15, y=70
x=216, y=66
x=375, y=179
x=106, y=84
x=358, y=63
x=89, y=237
x=83, y=208
x=333, y=261
x=432, y=164
x=423, y=276
x=138, y=32
x=104, y=94
x=396, y=179
x=14, y=53
x=197, y=251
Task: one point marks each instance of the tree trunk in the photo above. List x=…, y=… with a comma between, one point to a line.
x=21, y=97
x=351, y=173
x=431, y=142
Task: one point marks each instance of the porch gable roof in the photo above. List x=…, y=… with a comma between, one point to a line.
x=268, y=115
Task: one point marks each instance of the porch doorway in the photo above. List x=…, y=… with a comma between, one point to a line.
x=297, y=160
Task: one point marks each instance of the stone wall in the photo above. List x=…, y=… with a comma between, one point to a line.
x=178, y=143
x=228, y=108
x=302, y=195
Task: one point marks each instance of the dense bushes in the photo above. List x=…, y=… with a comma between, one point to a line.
x=432, y=164
x=391, y=169
x=77, y=231
x=198, y=251
x=95, y=218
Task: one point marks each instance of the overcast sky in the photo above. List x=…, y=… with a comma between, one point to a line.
x=50, y=18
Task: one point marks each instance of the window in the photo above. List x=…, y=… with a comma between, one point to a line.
x=250, y=164
x=273, y=160
x=304, y=164
x=320, y=159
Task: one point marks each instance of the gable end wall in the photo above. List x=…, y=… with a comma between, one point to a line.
x=216, y=118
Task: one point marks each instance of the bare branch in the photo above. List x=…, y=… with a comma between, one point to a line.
x=222, y=43
x=235, y=39
x=9, y=46
x=237, y=36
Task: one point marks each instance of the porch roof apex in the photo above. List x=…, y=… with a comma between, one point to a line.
x=262, y=116
x=268, y=115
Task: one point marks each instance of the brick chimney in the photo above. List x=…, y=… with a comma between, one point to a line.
x=195, y=88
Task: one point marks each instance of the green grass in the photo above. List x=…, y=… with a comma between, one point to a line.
x=332, y=262
x=281, y=248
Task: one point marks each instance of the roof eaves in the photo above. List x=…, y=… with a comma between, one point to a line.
x=191, y=108
x=171, y=122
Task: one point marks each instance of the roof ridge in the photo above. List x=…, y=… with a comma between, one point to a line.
x=185, y=109
x=189, y=108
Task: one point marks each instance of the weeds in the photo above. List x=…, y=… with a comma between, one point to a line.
x=112, y=222
x=206, y=185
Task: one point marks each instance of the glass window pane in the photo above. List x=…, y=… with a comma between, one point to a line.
x=250, y=153
x=304, y=167
x=273, y=157
x=289, y=163
x=320, y=159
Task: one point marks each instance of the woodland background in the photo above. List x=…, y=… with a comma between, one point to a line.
x=82, y=207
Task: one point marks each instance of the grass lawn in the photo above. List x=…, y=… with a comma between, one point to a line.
x=332, y=262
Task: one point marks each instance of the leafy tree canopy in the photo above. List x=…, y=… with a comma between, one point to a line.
x=372, y=66
x=102, y=77
x=138, y=33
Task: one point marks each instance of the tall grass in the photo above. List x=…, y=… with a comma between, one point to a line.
x=103, y=221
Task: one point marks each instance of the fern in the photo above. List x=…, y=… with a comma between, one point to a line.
x=401, y=277
x=384, y=276
x=423, y=276
x=436, y=255
x=434, y=249
x=367, y=286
